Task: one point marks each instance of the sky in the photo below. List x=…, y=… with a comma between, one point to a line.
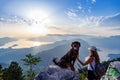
x=24, y=19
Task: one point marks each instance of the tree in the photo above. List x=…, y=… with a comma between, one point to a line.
x=13, y=72
x=1, y=73
x=0, y=67
x=30, y=61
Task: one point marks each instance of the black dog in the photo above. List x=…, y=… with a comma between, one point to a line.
x=69, y=58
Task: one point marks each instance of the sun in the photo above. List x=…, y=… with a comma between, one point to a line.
x=37, y=29
x=39, y=21
x=36, y=44
x=37, y=15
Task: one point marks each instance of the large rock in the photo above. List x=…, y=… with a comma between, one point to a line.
x=54, y=72
x=113, y=71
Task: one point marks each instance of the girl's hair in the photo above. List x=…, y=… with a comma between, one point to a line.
x=95, y=54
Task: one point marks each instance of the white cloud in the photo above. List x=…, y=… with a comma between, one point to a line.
x=89, y=25
x=80, y=10
x=111, y=21
x=91, y=21
x=80, y=7
x=80, y=15
x=93, y=1
x=16, y=19
x=71, y=14
x=97, y=25
x=89, y=10
x=12, y=19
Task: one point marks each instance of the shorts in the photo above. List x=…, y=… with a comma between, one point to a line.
x=91, y=75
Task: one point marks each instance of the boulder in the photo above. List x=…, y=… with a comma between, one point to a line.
x=54, y=72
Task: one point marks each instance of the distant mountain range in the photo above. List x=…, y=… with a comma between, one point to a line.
x=5, y=40
x=113, y=56
x=59, y=48
x=112, y=42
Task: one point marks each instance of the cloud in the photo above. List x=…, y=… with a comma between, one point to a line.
x=83, y=19
x=97, y=25
x=62, y=29
x=6, y=40
x=101, y=21
x=93, y=1
x=56, y=37
x=79, y=18
x=111, y=21
x=14, y=45
x=86, y=20
x=54, y=27
x=94, y=25
x=92, y=21
x=81, y=10
x=89, y=10
x=18, y=19
x=80, y=7
x=12, y=19
x=72, y=14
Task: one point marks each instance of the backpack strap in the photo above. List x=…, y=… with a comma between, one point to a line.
x=92, y=66
x=93, y=70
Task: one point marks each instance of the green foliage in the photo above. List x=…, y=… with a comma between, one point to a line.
x=30, y=61
x=13, y=72
x=82, y=76
x=82, y=72
x=106, y=63
x=0, y=67
x=1, y=73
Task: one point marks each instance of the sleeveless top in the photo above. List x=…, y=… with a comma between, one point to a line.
x=91, y=64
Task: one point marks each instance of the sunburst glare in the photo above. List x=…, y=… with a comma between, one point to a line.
x=36, y=44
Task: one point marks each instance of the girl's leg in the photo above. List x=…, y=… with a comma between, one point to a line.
x=91, y=75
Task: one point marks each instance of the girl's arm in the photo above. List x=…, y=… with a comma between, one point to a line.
x=89, y=60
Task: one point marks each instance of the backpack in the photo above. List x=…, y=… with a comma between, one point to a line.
x=99, y=70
